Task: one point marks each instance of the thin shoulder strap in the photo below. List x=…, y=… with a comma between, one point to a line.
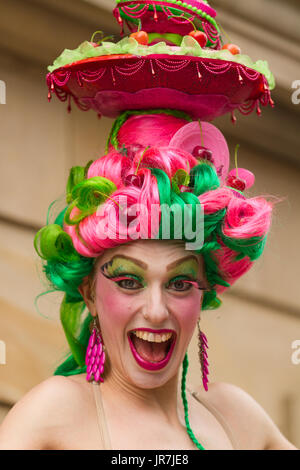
x=102, y=424
x=217, y=415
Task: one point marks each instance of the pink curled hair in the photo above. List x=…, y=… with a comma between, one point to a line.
x=149, y=130
x=247, y=218
x=231, y=269
x=84, y=235
x=215, y=200
x=112, y=166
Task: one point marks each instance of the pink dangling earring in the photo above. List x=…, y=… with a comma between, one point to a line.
x=202, y=343
x=95, y=356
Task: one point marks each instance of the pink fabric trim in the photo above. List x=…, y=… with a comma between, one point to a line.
x=205, y=88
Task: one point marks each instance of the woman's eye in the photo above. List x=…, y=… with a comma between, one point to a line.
x=180, y=285
x=129, y=284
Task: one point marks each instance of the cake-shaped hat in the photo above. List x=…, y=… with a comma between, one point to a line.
x=172, y=57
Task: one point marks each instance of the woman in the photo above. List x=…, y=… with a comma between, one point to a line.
x=144, y=292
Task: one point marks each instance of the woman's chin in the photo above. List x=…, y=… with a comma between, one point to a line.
x=147, y=379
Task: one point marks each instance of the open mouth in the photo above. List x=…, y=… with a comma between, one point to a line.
x=152, y=349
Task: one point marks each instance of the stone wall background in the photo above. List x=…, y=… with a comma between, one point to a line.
x=251, y=335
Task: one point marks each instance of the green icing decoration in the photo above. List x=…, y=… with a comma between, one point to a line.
x=175, y=38
x=189, y=47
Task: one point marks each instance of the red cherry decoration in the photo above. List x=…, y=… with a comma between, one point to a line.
x=141, y=37
x=203, y=153
x=236, y=183
x=134, y=180
x=95, y=44
x=200, y=37
x=244, y=175
x=233, y=48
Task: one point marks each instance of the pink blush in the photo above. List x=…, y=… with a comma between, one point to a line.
x=111, y=301
x=187, y=309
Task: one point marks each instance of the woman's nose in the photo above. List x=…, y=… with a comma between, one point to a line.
x=155, y=310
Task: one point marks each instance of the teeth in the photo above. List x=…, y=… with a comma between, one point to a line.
x=150, y=337
x=154, y=338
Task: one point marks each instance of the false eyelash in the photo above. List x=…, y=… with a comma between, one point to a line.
x=122, y=278
x=195, y=284
x=105, y=266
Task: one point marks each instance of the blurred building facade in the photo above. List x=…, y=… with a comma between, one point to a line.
x=251, y=337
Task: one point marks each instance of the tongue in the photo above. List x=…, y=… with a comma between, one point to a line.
x=150, y=351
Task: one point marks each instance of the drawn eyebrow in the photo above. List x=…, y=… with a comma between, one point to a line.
x=134, y=260
x=145, y=266
x=180, y=261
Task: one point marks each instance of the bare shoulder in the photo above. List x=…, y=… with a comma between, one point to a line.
x=35, y=418
x=251, y=426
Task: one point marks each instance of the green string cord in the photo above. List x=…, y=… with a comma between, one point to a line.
x=185, y=366
x=113, y=139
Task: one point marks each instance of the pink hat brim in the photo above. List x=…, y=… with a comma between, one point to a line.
x=203, y=88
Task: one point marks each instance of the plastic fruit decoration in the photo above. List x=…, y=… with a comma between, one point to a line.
x=233, y=48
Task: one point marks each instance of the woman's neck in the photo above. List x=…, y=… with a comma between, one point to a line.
x=159, y=400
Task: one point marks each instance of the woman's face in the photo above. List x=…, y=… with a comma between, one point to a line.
x=148, y=296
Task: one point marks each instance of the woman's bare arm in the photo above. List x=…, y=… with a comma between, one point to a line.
x=252, y=426
x=32, y=422
x=275, y=440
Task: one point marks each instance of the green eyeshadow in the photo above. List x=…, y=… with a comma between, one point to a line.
x=189, y=267
x=121, y=266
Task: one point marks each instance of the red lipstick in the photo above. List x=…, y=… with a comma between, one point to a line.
x=152, y=366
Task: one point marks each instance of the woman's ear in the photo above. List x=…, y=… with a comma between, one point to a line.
x=87, y=292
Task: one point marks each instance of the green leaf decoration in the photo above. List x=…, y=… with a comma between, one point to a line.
x=181, y=178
